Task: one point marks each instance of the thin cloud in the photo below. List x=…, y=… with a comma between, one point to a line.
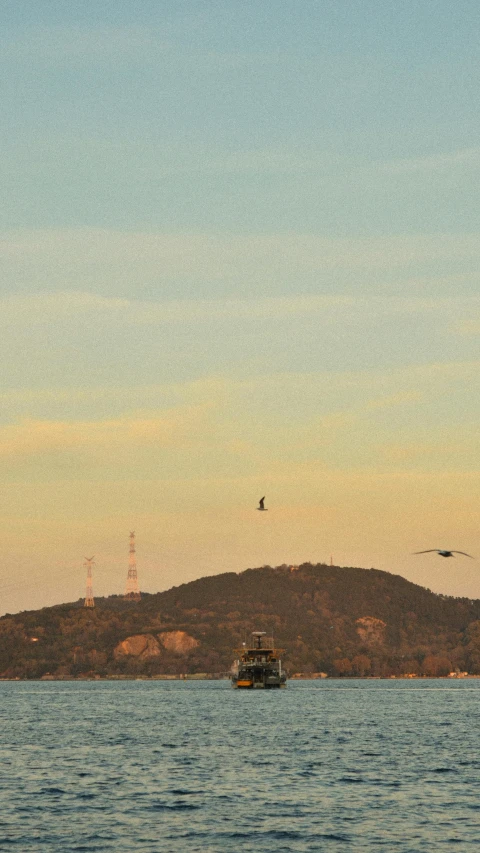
x=60, y=44
x=50, y=307
x=272, y=160
x=464, y=157
x=30, y=437
x=469, y=327
x=53, y=306
x=411, y=382
x=80, y=258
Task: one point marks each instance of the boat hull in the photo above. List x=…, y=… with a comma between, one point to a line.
x=260, y=679
x=245, y=686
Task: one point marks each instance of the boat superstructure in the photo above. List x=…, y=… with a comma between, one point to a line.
x=258, y=665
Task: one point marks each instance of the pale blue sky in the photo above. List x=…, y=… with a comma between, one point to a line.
x=239, y=249
x=351, y=118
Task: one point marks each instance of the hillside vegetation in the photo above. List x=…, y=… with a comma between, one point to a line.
x=341, y=621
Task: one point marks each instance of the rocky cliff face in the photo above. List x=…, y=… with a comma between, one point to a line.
x=371, y=630
x=140, y=646
x=178, y=641
x=144, y=646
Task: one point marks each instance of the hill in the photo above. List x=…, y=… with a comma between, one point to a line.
x=342, y=621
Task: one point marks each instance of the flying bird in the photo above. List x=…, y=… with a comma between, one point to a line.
x=444, y=553
x=260, y=506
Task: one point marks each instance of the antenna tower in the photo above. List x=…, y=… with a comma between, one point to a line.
x=132, y=591
x=89, y=602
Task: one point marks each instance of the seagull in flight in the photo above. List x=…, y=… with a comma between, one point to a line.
x=444, y=553
x=260, y=506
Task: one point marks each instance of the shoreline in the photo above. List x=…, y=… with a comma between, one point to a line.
x=213, y=677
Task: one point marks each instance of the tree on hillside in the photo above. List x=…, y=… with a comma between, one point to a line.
x=436, y=665
x=361, y=665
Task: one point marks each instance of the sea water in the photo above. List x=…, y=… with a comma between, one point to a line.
x=161, y=767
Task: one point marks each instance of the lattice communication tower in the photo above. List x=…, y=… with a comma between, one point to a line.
x=89, y=602
x=132, y=591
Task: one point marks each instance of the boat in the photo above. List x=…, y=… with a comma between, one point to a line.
x=258, y=665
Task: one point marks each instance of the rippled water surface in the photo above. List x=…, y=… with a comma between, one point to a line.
x=187, y=766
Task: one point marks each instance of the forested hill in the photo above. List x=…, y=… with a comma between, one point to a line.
x=341, y=621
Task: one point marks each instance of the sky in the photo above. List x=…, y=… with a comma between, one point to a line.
x=239, y=254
